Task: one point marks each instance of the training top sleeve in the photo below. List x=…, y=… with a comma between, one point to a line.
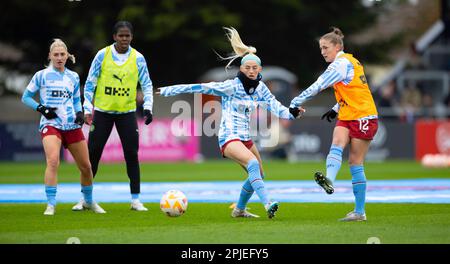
x=145, y=82
x=336, y=72
x=225, y=88
x=336, y=108
x=77, y=96
x=91, y=81
x=273, y=105
x=30, y=91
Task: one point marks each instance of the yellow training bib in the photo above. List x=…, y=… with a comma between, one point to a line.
x=117, y=85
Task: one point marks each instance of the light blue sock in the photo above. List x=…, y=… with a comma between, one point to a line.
x=87, y=193
x=134, y=196
x=256, y=181
x=334, y=161
x=359, y=187
x=246, y=193
x=50, y=191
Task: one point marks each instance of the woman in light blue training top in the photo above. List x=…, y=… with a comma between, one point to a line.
x=61, y=121
x=240, y=97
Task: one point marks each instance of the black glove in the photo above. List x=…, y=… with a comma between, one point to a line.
x=148, y=116
x=294, y=111
x=79, y=120
x=329, y=115
x=48, y=112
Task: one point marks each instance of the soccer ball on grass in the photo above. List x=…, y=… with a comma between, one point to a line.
x=174, y=203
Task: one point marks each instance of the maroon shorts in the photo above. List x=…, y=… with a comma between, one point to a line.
x=362, y=129
x=67, y=137
x=248, y=144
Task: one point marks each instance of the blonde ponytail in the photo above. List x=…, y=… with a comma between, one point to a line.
x=239, y=48
x=72, y=58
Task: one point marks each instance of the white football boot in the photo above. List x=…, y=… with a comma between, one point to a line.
x=136, y=205
x=354, y=217
x=78, y=206
x=242, y=213
x=50, y=210
x=94, y=207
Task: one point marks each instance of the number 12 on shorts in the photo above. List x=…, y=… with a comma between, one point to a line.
x=364, y=126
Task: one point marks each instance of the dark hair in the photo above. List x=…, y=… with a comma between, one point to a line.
x=122, y=24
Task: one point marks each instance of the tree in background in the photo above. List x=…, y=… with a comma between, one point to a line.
x=178, y=37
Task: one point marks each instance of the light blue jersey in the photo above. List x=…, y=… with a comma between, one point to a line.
x=94, y=74
x=340, y=70
x=237, y=105
x=56, y=89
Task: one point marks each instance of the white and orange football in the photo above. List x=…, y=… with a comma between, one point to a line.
x=174, y=203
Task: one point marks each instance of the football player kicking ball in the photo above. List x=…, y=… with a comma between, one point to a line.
x=357, y=120
x=241, y=96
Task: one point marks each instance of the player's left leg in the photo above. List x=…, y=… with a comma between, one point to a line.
x=127, y=129
x=238, y=152
x=80, y=153
x=358, y=151
x=272, y=207
x=247, y=190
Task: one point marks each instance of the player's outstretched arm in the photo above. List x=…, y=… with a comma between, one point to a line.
x=334, y=74
x=225, y=88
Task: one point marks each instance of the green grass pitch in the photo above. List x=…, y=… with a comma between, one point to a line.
x=206, y=223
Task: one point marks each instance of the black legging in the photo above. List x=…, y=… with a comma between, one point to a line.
x=126, y=126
